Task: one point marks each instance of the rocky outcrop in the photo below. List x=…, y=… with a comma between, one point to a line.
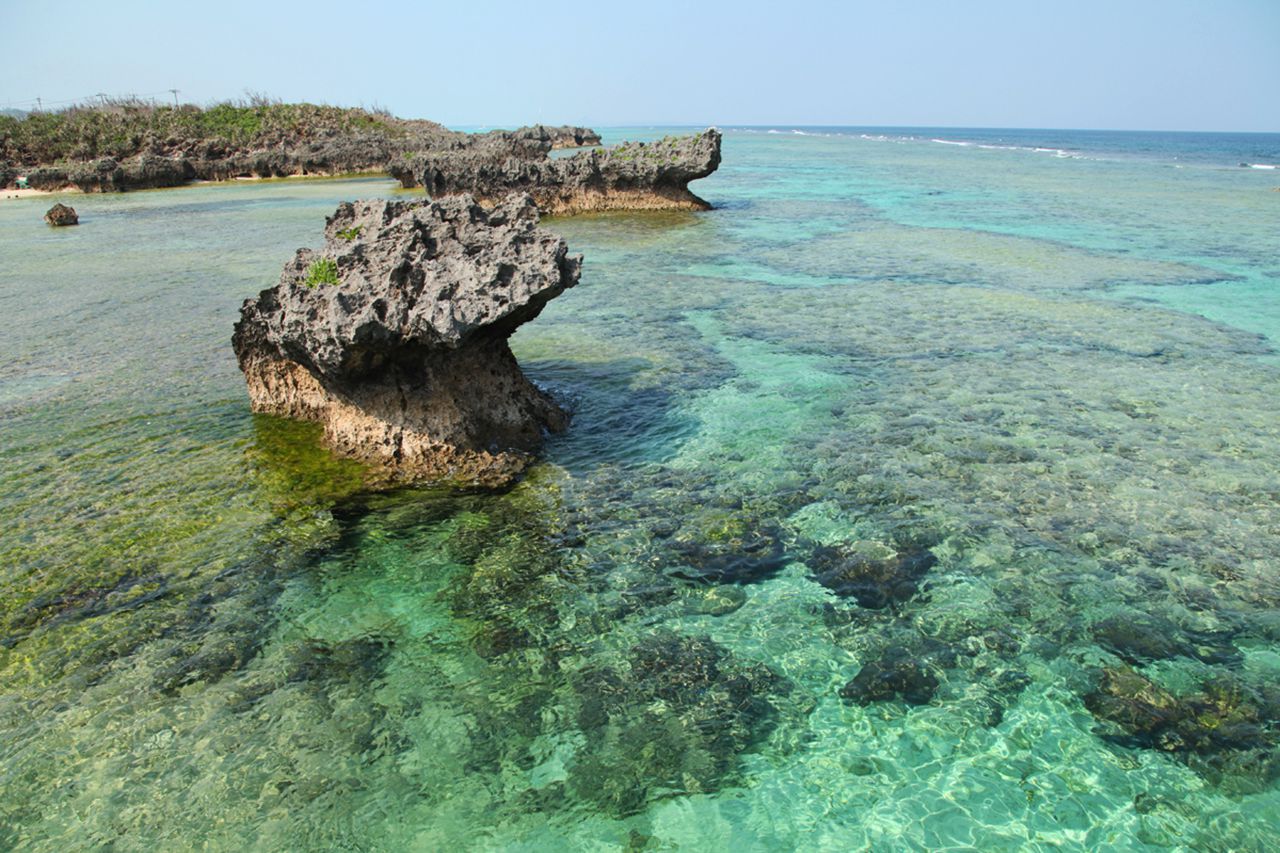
x=394, y=336
x=631, y=176
x=139, y=146
x=60, y=214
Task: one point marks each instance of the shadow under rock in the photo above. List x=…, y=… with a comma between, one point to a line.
x=612, y=421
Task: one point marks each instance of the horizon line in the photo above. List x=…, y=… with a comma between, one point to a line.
x=781, y=125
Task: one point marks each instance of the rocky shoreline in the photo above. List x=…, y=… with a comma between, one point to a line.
x=134, y=146
x=129, y=148
x=394, y=337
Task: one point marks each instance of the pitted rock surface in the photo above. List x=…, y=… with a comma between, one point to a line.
x=394, y=336
x=61, y=214
x=631, y=176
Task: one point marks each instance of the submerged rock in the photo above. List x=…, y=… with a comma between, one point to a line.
x=727, y=547
x=873, y=574
x=718, y=600
x=1225, y=729
x=898, y=672
x=674, y=721
x=1142, y=637
x=359, y=658
x=631, y=176
x=514, y=580
x=61, y=214
x=394, y=336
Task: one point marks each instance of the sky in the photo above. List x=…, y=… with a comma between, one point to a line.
x=1113, y=64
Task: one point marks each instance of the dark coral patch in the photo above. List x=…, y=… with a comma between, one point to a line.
x=875, y=581
x=898, y=672
x=728, y=548
x=1141, y=637
x=1227, y=729
x=672, y=721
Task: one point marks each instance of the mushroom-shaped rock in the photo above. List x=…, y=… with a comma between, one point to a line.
x=631, y=176
x=61, y=214
x=394, y=336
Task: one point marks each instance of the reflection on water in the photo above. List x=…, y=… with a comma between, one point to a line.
x=882, y=522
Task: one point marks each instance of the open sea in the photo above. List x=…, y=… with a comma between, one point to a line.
x=923, y=495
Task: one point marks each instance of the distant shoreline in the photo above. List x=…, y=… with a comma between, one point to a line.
x=12, y=194
x=129, y=145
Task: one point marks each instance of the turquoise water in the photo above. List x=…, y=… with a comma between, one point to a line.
x=964, y=414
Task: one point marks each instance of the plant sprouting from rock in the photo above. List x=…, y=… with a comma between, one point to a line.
x=323, y=271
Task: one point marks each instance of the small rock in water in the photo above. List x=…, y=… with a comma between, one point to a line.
x=394, y=336
x=61, y=214
x=637, y=841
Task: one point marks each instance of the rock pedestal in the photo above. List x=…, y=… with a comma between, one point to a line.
x=394, y=336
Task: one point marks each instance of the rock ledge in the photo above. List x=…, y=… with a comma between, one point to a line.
x=630, y=176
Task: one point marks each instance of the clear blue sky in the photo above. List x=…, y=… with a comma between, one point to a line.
x=1141, y=64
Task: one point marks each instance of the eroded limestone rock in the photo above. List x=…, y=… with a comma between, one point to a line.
x=61, y=214
x=631, y=176
x=394, y=336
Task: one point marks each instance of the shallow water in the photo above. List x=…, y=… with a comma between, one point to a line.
x=1033, y=393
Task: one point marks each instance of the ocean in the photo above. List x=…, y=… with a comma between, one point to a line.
x=924, y=494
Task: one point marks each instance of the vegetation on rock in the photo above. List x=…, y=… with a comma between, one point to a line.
x=323, y=271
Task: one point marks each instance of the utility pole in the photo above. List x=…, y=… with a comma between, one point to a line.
x=175, y=98
x=39, y=106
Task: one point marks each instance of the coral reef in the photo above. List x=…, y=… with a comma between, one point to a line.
x=673, y=721
x=874, y=574
x=1228, y=730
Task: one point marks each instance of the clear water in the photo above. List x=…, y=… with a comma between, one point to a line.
x=1051, y=375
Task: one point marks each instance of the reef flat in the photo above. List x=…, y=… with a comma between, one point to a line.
x=918, y=496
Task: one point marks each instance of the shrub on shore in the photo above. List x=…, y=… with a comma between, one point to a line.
x=126, y=128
